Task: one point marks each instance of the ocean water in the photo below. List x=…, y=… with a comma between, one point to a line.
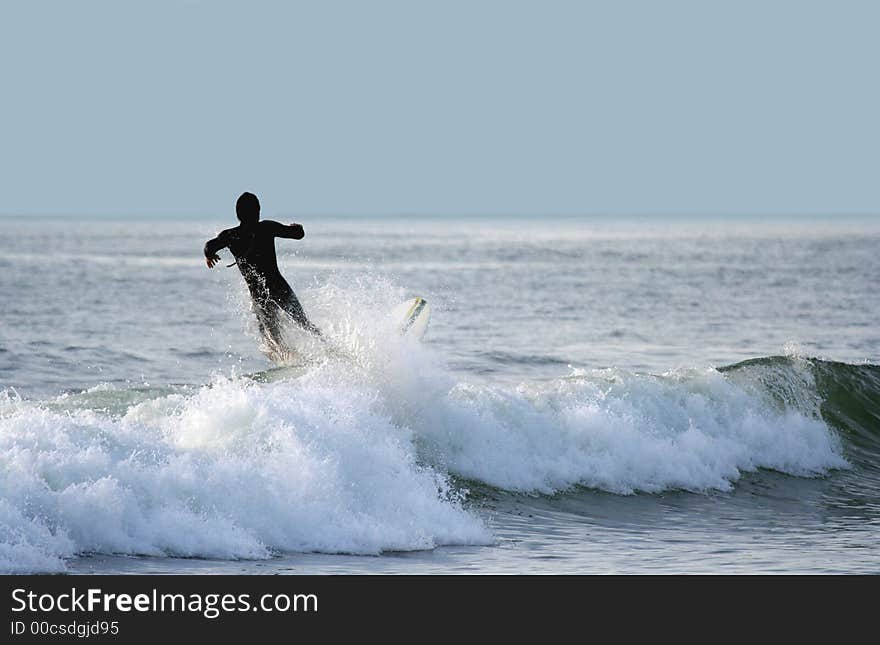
x=594, y=395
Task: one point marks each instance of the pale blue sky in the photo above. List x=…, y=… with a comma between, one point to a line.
x=177, y=106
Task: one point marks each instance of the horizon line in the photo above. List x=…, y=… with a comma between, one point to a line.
x=428, y=214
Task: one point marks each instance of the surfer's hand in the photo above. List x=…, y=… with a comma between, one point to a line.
x=299, y=232
x=211, y=260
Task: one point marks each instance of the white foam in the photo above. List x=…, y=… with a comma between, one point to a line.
x=239, y=470
x=624, y=433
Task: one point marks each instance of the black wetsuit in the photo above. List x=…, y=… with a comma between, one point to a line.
x=253, y=246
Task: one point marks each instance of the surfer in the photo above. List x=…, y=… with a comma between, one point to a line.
x=252, y=243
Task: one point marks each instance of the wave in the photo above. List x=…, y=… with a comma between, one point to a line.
x=621, y=432
x=845, y=396
x=372, y=450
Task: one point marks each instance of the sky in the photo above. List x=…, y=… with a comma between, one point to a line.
x=459, y=107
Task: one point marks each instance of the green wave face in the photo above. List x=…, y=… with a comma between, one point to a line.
x=846, y=396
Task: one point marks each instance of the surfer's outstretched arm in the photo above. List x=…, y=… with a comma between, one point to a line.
x=290, y=231
x=214, y=245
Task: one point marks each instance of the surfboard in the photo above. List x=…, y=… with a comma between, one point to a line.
x=411, y=317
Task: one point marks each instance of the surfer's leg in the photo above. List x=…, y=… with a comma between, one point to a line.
x=291, y=305
x=269, y=325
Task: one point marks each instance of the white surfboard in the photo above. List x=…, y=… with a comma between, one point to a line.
x=411, y=317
